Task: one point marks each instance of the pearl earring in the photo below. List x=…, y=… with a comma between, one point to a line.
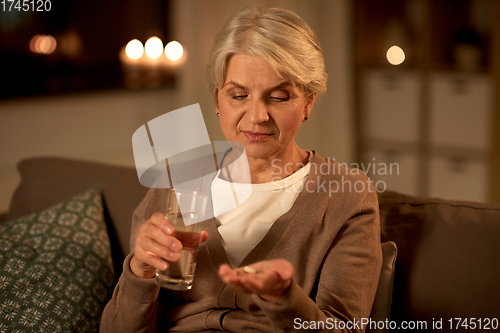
x=218, y=114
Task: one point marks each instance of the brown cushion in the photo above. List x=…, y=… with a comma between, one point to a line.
x=448, y=257
x=381, y=310
x=47, y=181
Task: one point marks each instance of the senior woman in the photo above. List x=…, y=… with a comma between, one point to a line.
x=304, y=249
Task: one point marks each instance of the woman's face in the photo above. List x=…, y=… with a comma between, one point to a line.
x=261, y=110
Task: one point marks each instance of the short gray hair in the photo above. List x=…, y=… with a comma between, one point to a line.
x=278, y=36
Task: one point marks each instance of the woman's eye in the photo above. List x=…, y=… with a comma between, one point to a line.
x=280, y=97
x=238, y=94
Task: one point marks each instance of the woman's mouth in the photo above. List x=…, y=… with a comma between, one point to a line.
x=256, y=136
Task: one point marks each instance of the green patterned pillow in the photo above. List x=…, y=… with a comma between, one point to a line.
x=56, y=271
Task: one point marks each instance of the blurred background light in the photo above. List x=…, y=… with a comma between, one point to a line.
x=134, y=49
x=174, y=50
x=33, y=42
x=70, y=44
x=154, y=47
x=44, y=44
x=395, y=55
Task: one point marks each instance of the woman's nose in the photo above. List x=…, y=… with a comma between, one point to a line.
x=257, y=112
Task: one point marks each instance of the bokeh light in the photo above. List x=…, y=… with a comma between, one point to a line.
x=395, y=55
x=44, y=44
x=154, y=47
x=134, y=49
x=174, y=50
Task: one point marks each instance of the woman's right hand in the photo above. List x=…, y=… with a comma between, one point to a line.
x=155, y=241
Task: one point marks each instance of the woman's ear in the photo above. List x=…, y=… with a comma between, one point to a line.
x=216, y=100
x=310, y=103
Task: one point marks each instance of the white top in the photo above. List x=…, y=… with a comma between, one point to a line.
x=251, y=210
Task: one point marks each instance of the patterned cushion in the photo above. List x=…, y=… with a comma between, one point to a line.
x=56, y=271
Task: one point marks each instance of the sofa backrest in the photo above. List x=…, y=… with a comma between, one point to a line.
x=46, y=181
x=448, y=262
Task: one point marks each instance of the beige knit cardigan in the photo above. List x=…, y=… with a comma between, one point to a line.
x=331, y=235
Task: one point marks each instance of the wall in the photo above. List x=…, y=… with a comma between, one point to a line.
x=99, y=126
x=495, y=144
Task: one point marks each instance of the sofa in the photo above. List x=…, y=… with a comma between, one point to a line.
x=440, y=272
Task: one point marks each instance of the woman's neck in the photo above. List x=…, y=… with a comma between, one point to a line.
x=276, y=168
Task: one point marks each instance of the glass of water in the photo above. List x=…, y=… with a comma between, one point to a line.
x=185, y=211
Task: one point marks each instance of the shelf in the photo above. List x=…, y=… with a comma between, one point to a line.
x=431, y=32
x=433, y=115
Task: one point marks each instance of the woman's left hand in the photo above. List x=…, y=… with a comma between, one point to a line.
x=269, y=279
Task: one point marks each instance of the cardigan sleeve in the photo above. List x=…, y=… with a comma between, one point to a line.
x=148, y=206
x=347, y=281
x=133, y=306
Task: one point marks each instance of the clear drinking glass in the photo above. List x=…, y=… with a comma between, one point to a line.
x=185, y=211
